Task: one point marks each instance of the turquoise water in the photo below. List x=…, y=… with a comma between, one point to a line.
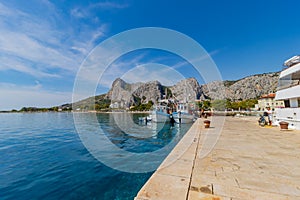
x=42, y=157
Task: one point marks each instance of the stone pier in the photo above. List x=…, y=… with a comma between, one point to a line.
x=247, y=162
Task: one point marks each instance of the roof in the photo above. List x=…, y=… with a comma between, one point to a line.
x=271, y=95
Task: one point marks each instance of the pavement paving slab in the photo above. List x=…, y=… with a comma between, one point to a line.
x=247, y=162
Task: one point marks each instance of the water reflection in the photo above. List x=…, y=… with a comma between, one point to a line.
x=120, y=142
x=130, y=124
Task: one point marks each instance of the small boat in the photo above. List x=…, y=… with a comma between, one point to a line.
x=162, y=112
x=149, y=118
x=160, y=115
x=183, y=116
x=142, y=119
x=145, y=119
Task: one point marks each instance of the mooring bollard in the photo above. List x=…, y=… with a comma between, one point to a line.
x=206, y=123
x=284, y=125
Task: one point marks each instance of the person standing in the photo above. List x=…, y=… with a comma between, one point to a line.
x=269, y=111
x=179, y=116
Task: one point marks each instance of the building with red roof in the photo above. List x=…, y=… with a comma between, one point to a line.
x=268, y=100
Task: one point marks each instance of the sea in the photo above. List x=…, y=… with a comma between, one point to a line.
x=44, y=157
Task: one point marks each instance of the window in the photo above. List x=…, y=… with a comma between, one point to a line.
x=287, y=103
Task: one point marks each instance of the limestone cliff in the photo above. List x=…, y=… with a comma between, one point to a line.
x=187, y=90
x=250, y=87
x=123, y=94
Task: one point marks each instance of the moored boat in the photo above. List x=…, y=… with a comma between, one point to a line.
x=160, y=115
x=289, y=91
x=183, y=115
x=162, y=112
x=145, y=119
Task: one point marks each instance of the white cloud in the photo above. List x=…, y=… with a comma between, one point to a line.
x=79, y=12
x=43, y=44
x=109, y=5
x=15, y=97
x=17, y=64
x=21, y=45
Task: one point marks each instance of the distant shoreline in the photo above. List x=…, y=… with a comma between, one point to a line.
x=215, y=113
x=133, y=112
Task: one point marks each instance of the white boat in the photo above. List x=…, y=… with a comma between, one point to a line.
x=145, y=119
x=149, y=118
x=289, y=91
x=183, y=115
x=160, y=115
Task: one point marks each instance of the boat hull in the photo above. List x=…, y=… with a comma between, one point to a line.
x=290, y=115
x=183, y=118
x=160, y=117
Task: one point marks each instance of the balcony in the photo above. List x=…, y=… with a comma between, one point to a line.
x=289, y=85
x=290, y=92
x=289, y=80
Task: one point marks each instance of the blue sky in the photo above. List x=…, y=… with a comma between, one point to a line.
x=44, y=42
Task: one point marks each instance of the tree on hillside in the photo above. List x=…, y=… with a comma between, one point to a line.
x=143, y=107
x=204, y=105
x=219, y=104
x=242, y=105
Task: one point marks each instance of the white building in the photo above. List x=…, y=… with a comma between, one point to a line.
x=269, y=101
x=289, y=91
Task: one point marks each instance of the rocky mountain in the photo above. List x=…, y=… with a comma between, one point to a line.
x=187, y=90
x=250, y=87
x=128, y=93
x=123, y=94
